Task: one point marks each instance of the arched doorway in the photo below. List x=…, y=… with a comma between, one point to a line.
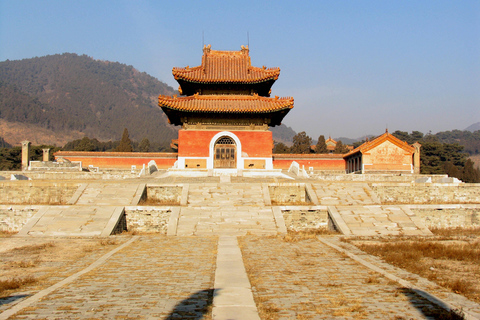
x=225, y=153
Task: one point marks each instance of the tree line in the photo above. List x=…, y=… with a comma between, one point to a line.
x=11, y=157
x=302, y=144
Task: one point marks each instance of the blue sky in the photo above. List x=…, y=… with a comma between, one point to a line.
x=353, y=67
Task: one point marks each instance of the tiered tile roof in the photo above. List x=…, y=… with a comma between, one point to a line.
x=225, y=103
x=226, y=67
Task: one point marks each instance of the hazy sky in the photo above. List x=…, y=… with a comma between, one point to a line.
x=353, y=67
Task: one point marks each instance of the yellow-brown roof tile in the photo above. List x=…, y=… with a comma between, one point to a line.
x=225, y=103
x=226, y=66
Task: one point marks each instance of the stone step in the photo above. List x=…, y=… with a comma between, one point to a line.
x=84, y=221
x=122, y=194
x=239, y=221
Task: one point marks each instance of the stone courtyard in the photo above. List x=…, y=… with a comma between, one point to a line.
x=212, y=247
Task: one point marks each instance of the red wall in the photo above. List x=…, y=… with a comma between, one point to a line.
x=124, y=160
x=119, y=160
x=193, y=143
x=317, y=161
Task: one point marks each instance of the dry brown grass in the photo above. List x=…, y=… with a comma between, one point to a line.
x=30, y=263
x=7, y=234
x=15, y=283
x=451, y=259
x=452, y=232
x=295, y=236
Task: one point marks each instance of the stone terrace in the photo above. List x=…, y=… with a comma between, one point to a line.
x=227, y=258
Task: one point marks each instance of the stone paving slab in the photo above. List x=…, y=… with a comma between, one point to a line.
x=108, y=194
x=83, y=221
x=232, y=288
x=344, y=194
x=377, y=220
x=307, y=279
x=155, y=277
x=152, y=278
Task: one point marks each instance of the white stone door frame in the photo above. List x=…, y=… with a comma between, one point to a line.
x=211, y=149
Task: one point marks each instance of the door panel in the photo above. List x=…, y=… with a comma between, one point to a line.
x=225, y=154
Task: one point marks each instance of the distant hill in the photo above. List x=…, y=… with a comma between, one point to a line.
x=57, y=98
x=473, y=127
x=283, y=134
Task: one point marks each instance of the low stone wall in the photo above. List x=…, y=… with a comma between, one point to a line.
x=300, y=220
x=288, y=194
x=12, y=218
x=147, y=219
x=36, y=192
x=427, y=193
x=330, y=176
x=162, y=195
x=449, y=218
x=83, y=175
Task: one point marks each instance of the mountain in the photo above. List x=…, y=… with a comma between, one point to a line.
x=58, y=98
x=473, y=127
x=283, y=134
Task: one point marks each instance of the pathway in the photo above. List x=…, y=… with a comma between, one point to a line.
x=155, y=277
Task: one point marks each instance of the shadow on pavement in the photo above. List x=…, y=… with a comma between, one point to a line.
x=10, y=299
x=194, y=307
x=435, y=309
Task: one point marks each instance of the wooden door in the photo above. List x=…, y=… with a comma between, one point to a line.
x=225, y=153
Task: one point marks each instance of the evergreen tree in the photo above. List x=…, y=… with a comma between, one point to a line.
x=340, y=148
x=125, y=144
x=321, y=145
x=280, y=147
x=301, y=143
x=470, y=174
x=144, y=145
x=4, y=144
x=84, y=145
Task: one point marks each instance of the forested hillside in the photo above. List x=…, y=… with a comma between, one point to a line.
x=74, y=95
x=61, y=98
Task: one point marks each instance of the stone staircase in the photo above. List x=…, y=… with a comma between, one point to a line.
x=96, y=210
x=226, y=208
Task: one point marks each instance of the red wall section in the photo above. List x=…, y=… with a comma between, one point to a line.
x=256, y=143
x=317, y=161
x=193, y=143
x=119, y=160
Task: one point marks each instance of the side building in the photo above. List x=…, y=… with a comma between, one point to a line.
x=385, y=154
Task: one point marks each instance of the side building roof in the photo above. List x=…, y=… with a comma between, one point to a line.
x=365, y=147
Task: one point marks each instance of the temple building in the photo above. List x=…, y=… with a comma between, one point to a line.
x=385, y=154
x=225, y=112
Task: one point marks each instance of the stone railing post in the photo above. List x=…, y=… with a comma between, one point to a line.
x=416, y=158
x=46, y=154
x=25, y=155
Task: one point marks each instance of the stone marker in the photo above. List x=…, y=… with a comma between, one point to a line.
x=18, y=177
x=424, y=180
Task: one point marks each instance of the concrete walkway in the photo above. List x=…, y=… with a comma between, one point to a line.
x=233, y=294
